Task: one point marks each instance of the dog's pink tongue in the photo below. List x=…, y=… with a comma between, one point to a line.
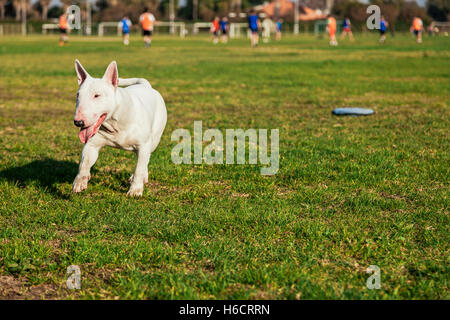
x=85, y=134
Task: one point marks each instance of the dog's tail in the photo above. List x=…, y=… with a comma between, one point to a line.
x=132, y=81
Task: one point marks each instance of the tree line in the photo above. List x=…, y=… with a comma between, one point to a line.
x=113, y=10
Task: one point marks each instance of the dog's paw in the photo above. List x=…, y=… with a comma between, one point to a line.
x=80, y=184
x=136, y=191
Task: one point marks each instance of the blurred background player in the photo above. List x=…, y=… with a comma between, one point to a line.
x=430, y=30
x=63, y=25
x=278, y=27
x=347, y=29
x=331, y=28
x=383, y=27
x=224, y=26
x=147, y=21
x=125, y=25
x=215, y=30
x=267, y=27
x=417, y=28
x=254, y=25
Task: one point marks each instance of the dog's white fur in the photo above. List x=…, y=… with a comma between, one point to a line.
x=135, y=120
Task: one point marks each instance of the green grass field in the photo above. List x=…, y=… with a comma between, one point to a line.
x=350, y=192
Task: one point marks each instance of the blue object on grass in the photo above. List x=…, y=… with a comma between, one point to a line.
x=352, y=112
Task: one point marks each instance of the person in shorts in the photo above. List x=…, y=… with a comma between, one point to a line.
x=267, y=27
x=254, y=25
x=215, y=30
x=278, y=26
x=147, y=21
x=125, y=25
x=347, y=29
x=63, y=25
x=224, y=27
x=331, y=29
x=383, y=27
x=417, y=28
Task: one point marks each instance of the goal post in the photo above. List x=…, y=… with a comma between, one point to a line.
x=238, y=30
x=173, y=27
x=49, y=26
x=196, y=27
x=103, y=25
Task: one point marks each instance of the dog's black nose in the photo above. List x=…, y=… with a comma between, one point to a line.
x=79, y=123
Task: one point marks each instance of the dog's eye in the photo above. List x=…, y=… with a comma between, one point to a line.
x=96, y=95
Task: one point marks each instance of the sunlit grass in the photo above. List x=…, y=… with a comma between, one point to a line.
x=350, y=192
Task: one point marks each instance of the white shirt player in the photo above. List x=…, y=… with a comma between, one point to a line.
x=127, y=21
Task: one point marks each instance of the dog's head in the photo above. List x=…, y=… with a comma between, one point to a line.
x=96, y=99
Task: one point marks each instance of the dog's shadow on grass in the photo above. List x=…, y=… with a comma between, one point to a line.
x=45, y=174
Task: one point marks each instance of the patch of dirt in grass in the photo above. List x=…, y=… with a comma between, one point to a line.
x=257, y=293
x=103, y=275
x=158, y=187
x=57, y=250
x=69, y=232
x=394, y=196
x=12, y=288
x=207, y=265
x=220, y=183
x=284, y=192
x=240, y=195
x=204, y=266
x=54, y=243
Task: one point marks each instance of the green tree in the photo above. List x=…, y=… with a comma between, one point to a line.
x=439, y=10
x=2, y=8
x=352, y=9
x=113, y=10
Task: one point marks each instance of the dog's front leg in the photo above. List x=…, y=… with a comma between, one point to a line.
x=140, y=176
x=88, y=158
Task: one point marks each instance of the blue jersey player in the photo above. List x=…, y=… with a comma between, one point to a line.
x=383, y=27
x=224, y=26
x=125, y=25
x=254, y=26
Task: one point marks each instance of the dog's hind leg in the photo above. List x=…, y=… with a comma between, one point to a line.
x=88, y=158
x=140, y=175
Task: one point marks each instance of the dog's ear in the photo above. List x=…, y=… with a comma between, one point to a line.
x=112, y=74
x=81, y=73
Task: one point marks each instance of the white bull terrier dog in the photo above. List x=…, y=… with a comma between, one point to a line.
x=131, y=118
